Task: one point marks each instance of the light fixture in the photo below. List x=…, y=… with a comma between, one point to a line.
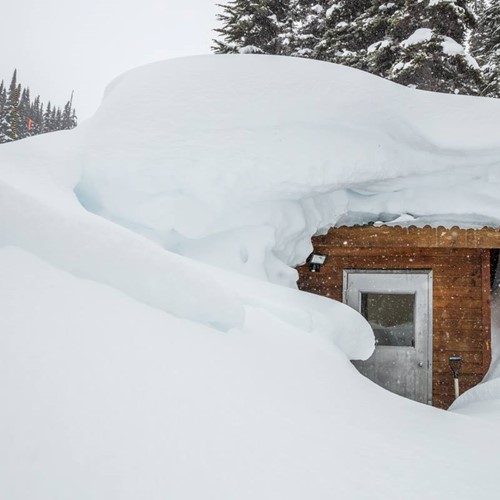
x=456, y=365
x=315, y=261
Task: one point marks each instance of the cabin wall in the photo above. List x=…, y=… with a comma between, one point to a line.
x=461, y=289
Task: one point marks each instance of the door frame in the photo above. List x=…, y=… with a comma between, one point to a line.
x=430, y=333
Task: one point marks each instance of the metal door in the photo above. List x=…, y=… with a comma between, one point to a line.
x=398, y=306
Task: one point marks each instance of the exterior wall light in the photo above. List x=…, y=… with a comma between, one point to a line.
x=456, y=365
x=315, y=261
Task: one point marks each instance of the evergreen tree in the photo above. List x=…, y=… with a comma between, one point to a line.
x=420, y=43
x=53, y=120
x=68, y=115
x=252, y=26
x=478, y=7
x=58, y=120
x=3, y=95
x=485, y=46
x=304, y=27
x=8, y=121
x=47, y=119
x=36, y=116
x=346, y=40
x=429, y=40
x=24, y=113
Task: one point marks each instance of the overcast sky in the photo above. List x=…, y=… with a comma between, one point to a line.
x=61, y=45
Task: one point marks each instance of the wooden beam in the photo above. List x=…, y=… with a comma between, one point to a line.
x=486, y=309
x=409, y=237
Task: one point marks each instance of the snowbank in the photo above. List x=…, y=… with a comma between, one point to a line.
x=109, y=398
x=144, y=352
x=238, y=161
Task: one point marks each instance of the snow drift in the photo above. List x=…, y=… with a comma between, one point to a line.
x=144, y=352
x=238, y=161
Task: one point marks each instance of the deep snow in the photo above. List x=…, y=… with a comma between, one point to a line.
x=145, y=351
x=238, y=161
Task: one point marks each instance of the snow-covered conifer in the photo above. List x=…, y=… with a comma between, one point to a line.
x=3, y=95
x=8, y=121
x=68, y=120
x=36, y=116
x=47, y=119
x=357, y=34
x=305, y=27
x=251, y=26
x=485, y=46
x=344, y=39
x=430, y=40
x=24, y=115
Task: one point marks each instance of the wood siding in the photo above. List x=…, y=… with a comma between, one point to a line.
x=461, y=298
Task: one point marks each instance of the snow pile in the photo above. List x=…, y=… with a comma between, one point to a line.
x=238, y=162
x=110, y=398
x=40, y=213
x=133, y=369
x=420, y=35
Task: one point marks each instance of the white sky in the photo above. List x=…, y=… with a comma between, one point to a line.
x=61, y=45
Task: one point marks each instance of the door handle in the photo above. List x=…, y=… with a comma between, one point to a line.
x=421, y=364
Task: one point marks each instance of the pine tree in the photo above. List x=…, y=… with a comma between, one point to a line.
x=8, y=121
x=429, y=39
x=304, y=27
x=478, y=7
x=252, y=26
x=53, y=120
x=68, y=115
x=3, y=95
x=47, y=119
x=23, y=115
x=485, y=46
x=3, y=112
x=58, y=120
x=346, y=40
x=36, y=116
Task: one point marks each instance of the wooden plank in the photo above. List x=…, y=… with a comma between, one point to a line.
x=426, y=237
x=441, y=268
x=474, y=336
x=468, y=358
x=467, y=369
x=458, y=293
x=486, y=310
x=462, y=346
x=336, y=255
x=442, y=380
x=438, y=270
x=459, y=313
x=403, y=252
x=448, y=303
x=459, y=281
x=455, y=325
x=330, y=292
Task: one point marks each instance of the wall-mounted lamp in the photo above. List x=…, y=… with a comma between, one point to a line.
x=456, y=365
x=315, y=261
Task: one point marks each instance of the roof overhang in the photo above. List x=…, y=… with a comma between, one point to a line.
x=412, y=236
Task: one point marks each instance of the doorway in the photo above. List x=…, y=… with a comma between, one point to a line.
x=398, y=306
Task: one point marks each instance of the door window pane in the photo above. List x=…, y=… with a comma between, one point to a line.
x=391, y=315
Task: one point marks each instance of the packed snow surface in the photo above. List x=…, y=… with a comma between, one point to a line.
x=148, y=347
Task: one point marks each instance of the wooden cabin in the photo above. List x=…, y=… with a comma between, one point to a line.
x=426, y=293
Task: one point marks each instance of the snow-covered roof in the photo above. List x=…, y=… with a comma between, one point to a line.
x=190, y=150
